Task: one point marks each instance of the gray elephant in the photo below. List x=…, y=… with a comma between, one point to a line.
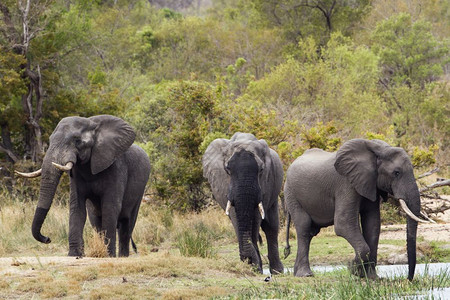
x=344, y=188
x=108, y=176
x=246, y=177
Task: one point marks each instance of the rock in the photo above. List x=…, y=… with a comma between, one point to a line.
x=397, y=259
x=401, y=258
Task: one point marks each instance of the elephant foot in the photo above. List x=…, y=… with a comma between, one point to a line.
x=363, y=270
x=303, y=272
x=76, y=252
x=276, y=268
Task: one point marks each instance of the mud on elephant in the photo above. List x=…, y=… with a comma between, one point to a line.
x=246, y=177
x=344, y=188
x=108, y=175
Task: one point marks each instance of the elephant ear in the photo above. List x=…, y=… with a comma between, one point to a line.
x=357, y=160
x=113, y=137
x=213, y=162
x=266, y=156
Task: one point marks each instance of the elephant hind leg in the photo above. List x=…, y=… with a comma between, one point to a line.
x=124, y=237
x=304, y=228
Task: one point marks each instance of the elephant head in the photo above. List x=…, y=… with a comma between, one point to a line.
x=238, y=172
x=376, y=169
x=91, y=143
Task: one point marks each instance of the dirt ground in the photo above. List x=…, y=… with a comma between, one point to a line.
x=429, y=232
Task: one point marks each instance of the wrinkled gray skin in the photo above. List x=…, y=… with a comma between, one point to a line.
x=344, y=188
x=246, y=171
x=108, y=178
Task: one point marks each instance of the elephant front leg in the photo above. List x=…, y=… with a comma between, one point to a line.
x=346, y=225
x=270, y=226
x=77, y=219
x=370, y=224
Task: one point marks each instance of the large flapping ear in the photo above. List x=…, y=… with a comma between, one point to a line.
x=357, y=160
x=113, y=137
x=213, y=162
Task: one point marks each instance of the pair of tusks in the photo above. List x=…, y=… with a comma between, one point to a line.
x=37, y=173
x=260, y=207
x=411, y=215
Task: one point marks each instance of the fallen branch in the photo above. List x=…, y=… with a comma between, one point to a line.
x=435, y=185
x=428, y=173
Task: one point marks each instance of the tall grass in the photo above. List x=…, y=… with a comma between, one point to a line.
x=196, y=241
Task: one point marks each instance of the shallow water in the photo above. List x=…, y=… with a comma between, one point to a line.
x=395, y=271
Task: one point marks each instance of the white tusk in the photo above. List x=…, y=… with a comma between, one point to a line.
x=409, y=212
x=424, y=214
x=227, y=210
x=261, y=210
x=29, y=175
x=65, y=168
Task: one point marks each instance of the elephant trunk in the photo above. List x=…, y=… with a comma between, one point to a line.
x=410, y=193
x=411, y=233
x=49, y=183
x=247, y=250
x=246, y=237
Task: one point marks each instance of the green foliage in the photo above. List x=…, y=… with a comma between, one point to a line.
x=390, y=214
x=424, y=158
x=409, y=53
x=295, y=74
x=209, y=138
x=196, y=241
x=388, y=136
x=321, y=137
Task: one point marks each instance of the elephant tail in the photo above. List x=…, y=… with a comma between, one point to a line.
x=287, y=248
x=134, y=246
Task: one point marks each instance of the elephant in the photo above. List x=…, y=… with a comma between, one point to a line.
x=246, y=176
x=108, y=175
x=344, y=189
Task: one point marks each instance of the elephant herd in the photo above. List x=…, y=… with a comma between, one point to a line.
x=108, y=175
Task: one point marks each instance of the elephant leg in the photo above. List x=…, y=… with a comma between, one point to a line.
x=270, y=226
x=111, y=207
x=346, y=225
x=370, y=224
x=255, y=239
x=124, y=237
x=94, y=216
x=303, y=226
x=77, y=220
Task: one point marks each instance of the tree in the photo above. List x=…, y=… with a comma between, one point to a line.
x=12, y=86
x=23, y=23
x=409, y=53
x=317, y=18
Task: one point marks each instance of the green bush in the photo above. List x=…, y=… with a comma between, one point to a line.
x=196, y=241
x=424, y=158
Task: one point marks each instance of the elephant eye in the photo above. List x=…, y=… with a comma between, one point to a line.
x=78, y=142
x=396, y=173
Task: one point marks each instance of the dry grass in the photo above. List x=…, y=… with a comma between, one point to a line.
x=95, y=245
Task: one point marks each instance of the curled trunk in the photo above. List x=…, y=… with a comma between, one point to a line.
x=49, y=183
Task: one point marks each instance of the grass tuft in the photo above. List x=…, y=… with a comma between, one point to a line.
x=196, y=241
x=95, y=245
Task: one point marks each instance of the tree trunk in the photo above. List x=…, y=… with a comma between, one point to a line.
x=33, y=139
x=6, y=145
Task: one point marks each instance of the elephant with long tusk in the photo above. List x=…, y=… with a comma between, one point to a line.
x=108, y=175
x=344, y=189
